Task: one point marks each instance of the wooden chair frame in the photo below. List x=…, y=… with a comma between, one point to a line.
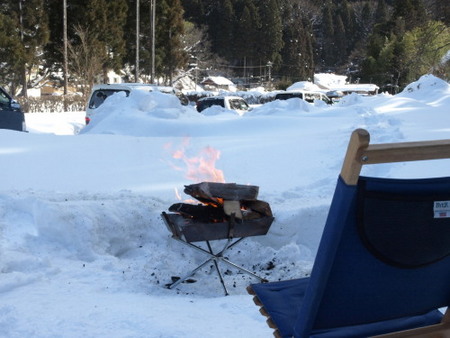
x=360, y=153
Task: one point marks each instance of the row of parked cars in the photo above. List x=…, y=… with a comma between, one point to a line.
x=12, y=116
x=102, y=91
x=236, y=103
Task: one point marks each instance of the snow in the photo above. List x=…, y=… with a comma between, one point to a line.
x=329, y=80
x=333, y=82
x=305, y=85
x=84, y=251
x=219, y=80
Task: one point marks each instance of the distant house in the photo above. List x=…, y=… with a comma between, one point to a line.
x=218, y=83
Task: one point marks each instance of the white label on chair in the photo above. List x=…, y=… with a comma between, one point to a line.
x=441, y=209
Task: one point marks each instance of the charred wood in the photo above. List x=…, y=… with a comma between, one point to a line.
x=200, y=212
x=228, y=191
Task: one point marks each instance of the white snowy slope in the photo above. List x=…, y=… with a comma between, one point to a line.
x=84, y=251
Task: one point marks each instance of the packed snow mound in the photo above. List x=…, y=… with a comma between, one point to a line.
x=351, y=99
x=289, y=107
x=428, y=87
x=304, y=85
x=139, y=112
x=327, y=80
x=85, y=253
x=218, y=110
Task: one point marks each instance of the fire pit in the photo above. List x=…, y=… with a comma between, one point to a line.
x=227, y=211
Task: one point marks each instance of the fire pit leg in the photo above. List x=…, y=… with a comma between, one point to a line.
x=248, y=272
x=181, y=280
x=218, y=256
x=221, y=278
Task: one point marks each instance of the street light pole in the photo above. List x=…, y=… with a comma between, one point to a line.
x=269, y=66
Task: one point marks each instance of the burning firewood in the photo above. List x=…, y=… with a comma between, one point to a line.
x=232, y=208
x=228, y=210
x=222, y=201
x=211, y=191
x=200, y=212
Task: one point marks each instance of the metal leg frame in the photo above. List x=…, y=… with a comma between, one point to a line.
x=214, y=257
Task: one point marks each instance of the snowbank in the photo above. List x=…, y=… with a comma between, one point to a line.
x=84, y=251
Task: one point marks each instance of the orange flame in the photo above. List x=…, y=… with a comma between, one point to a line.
x=202, y=167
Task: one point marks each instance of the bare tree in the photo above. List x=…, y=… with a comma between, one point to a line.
x=196, y=43
x=85, y=59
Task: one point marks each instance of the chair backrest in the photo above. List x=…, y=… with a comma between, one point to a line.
x=385, y=249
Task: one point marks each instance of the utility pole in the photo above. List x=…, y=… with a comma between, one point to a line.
x=65, y=70
x=136, y=75
x=153, y=17
x=24, y=67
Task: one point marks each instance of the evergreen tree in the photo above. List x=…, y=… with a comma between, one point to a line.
x=340, y=41
x=298, y=45
x=194, y=11
x=247, y=29
x=106, y=20
x=270, y=37
x=328, y=44
x=297, y=53
x=440, y=10
x=31, y=21
x=424, y=48
x=381, y=14
x=221, y=22
x=12, y=51
x=348, y=18
x=115, y=37
x=389, y=51
x=411, y=12
x=170, y=28
x=53, y=58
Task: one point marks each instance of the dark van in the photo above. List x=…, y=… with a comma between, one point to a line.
x=308, y=96
x=11, y=115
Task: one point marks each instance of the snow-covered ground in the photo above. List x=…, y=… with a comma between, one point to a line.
x=83, y=249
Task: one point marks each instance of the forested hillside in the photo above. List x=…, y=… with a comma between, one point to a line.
x=252, y=41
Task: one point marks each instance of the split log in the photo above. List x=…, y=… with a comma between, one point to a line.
x=261, y=207
x=232, y=207
x=228, y=191
x=202, y=213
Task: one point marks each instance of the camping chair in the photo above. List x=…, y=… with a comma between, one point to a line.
x=383, y=263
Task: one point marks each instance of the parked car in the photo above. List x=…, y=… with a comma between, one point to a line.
x=235, y=103
x=308, y=96
x=11, y=114
x=100, y=92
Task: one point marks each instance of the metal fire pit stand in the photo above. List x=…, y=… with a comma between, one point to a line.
x=213, y=257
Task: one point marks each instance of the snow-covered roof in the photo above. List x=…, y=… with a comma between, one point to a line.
x=304, y=85
x=329, y=80
x=219, y=80
x=357, y=87
x=333, y=82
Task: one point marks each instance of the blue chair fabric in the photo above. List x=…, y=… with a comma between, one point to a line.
x=359, y=286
